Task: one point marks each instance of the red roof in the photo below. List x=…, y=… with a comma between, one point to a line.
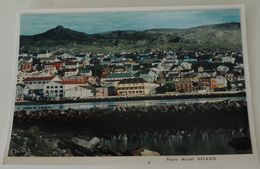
x=38, y=78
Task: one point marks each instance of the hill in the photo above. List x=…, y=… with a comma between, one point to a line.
x=209, y=37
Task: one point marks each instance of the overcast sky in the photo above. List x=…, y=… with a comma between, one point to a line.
x=110, y=21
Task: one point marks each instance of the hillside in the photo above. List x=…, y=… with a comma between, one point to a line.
x=209, y=37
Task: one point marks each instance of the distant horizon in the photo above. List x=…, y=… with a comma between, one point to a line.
x=101, y=22
x=132, y=30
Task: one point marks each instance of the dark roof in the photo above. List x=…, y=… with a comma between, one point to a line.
x=119, y=75
x=134, y=80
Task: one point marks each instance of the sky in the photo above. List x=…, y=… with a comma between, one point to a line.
x=99, y=22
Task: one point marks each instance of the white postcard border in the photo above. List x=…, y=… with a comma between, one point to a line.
x=152, y=160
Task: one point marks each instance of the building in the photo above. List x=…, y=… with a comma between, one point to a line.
x=71, y=83
x=105, y=91
x=35, y=85
x=71, y=72
x=228, y=59
x=85, y=72
x=131, y=87
x=184, y=86
x=71, y=65
x=203, y=84
x=219, y=82
x=186, y=65
x=149, y=75
x=19, y=92
x=79, y=92
x=223, y=69
x=44, y=55
x=27, y=67
x=53, y=90
x=117, y=76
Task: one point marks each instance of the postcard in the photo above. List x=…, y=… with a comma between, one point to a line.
x=132, y=85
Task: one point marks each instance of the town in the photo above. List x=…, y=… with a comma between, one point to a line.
x=58, y=75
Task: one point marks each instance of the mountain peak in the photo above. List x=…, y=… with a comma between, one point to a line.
x=59, y=27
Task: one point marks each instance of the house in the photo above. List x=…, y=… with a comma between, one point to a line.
x=189, y=59
x=71, y=72
x=186, y=65
x=79, y=92
x=65, y=56
x=27, y=67
x=50, y=59
x=238, y=68
x=71, y=65
x=19, y=92
x=149, y=75
x=219, y=82
x=131, y=87
x=228, y=59
x=36, y=84
x=53, y=90
x=222, y=69
x=85, y=71
x=105, y=91
x=184, y=86
x=117, y=76
x=44, y=55
x=204, y=84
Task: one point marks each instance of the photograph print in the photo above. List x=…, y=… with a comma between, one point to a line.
x=131, y=83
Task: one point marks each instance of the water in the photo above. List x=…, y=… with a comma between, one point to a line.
x=89, y=105
x=173, y=143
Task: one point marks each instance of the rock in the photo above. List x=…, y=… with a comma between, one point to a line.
x=89, y=145
x=95, y=141
x=83, y=143
x=144, y=152
x=240, y=143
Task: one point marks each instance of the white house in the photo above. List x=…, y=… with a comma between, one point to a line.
x=186, y=65
x=223, y=68
x=228, y=59
x=44, y=55
x=53, y=90
x=65, y=56
x=71, y=72
x=37, y=83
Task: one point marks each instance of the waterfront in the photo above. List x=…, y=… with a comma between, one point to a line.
x=186, y=127
x=88, y=105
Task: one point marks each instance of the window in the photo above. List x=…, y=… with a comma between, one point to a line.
x=30, y=82
x=47, y=87
x=56, y=87
x=39, y=82
x=56, y=91
x=61, y=86
x=51, y=87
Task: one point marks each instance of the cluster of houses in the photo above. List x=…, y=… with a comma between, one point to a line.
x=61, y=76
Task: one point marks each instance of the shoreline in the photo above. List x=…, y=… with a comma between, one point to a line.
x=133, y=98
x=211, y=128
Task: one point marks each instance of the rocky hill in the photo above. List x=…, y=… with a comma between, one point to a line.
x=209, y=37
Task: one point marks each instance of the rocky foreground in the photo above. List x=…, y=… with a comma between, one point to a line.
x=199, y=128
